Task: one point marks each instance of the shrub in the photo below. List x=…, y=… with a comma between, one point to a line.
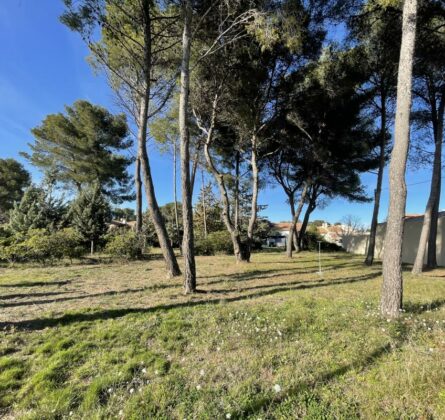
x=69, y=243
x=126, y=245
x=311, y=239
x=42, y=246
x=216, y=243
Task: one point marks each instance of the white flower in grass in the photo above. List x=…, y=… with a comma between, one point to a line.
x=144, y=370
x=277, y=388
x=121, y=412
x=198, y=387
x=201, y=372
x=431, y=350
x=131, y=390
x=156, y=372
x=228, y=416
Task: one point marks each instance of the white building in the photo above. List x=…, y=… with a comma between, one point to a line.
x=358, y=244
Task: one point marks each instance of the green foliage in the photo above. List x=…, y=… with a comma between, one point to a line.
x=125, y=244
x=216, y=243
x=168, y=214
x=82, y=147
x=90, y=213
x=312, y=238
x=14, y=178
x=123, y=213
x=40, y=245
x=37, y=209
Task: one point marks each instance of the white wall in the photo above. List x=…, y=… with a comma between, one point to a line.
x=358, y=244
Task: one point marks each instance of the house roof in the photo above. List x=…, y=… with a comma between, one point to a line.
x=285, y=226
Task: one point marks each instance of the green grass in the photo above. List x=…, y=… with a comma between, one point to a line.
x=268, y=340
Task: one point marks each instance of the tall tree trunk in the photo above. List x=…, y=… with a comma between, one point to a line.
x=239, y=248
x=307, y=214
x=237, y=173
x=378, y=190
x=392, y=288
x=195, y=165
x=188, y=249
x=155, y=213
x=292, y=239
x=432, y=240
x=175, y=196
x=292, y=228
x=138, y=186
x=254, y=202
x=204, y=204
x=433, y=201
x=438, y=136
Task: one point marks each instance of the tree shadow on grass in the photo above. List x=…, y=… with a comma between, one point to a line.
x=264, y=274
x=296, y=285
x=419, y=308
x=70, y=318
x=37, y=283
x=268, y=403
x=77, y=297
x=27, y=295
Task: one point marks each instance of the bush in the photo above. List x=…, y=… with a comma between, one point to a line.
x=311, y=239
x=126, y=245
x=216, y=243
x=69, y=242
x=42, y=246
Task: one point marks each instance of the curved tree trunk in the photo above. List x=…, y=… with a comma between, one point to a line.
x=310, y=208
x=378, y=190
x=432, y=205
x=155, y=213
x=239, y=248
x=188, y=249
x=392, y=288
x=138, y=186
x=292, y=239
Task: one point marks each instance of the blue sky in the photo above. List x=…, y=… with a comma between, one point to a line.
x=44, y=68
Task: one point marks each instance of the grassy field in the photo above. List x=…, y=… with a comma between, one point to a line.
x=268, y=340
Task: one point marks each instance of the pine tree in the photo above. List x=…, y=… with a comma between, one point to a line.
x=90, y=213
x=14, y=178
x=38, y=209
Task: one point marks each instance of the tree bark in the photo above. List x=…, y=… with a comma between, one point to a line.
x=295, y=216
x=188, y=250
x=310, y=208
x=175, y=196
x=236, y=198
x=392, y=287
x=239, y=248
x=155, y=213
x=254, y=202
x=433, y=201
x=138, y=186
x=378, y=190
x=204, y=204
x=438, y=136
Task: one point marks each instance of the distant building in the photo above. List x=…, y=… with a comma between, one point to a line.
x=358, y=243
x=122, y=224
x=280, y=233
